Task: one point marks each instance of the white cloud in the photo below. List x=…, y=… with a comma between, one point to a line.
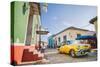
x=49, y=34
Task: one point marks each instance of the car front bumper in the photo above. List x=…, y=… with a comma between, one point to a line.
x=82, y=52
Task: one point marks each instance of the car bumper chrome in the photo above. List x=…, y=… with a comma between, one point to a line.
x=82, y=52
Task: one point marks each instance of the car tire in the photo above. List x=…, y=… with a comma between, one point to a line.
x=72, y=53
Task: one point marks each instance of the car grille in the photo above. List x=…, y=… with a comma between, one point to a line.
x=84, y=51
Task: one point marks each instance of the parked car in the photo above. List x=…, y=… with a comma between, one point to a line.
x=75, y=48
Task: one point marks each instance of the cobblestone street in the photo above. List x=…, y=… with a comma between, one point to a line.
x=54, y=57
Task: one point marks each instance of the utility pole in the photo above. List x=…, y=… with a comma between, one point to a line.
x=39, y=38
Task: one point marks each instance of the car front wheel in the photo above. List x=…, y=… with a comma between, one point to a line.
x=72, y=53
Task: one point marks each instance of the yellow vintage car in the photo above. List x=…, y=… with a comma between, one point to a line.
x=77, y=48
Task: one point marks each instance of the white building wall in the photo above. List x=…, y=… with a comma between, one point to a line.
x=71, y=34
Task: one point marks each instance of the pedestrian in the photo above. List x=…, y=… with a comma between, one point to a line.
x=42, y=47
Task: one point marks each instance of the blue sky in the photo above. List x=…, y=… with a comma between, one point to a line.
x=59, y=17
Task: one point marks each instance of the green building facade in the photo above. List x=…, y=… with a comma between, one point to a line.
x=19, y=23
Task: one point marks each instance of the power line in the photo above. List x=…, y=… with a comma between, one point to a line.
x=85, y=25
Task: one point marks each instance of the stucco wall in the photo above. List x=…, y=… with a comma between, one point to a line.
x=19, y=22
x=71, y=34
x=95, y=24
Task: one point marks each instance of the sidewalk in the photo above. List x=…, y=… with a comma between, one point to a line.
x=50, y=51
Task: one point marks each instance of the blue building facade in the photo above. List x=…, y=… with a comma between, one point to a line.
x=51, y=42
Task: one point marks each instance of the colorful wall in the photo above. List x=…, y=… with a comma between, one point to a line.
x=19, y=22
x=71, y=34
x=22, y=14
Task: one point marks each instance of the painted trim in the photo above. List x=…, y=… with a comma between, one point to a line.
x=26, y=26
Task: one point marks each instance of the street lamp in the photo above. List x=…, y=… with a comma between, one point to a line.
x=41, y=32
